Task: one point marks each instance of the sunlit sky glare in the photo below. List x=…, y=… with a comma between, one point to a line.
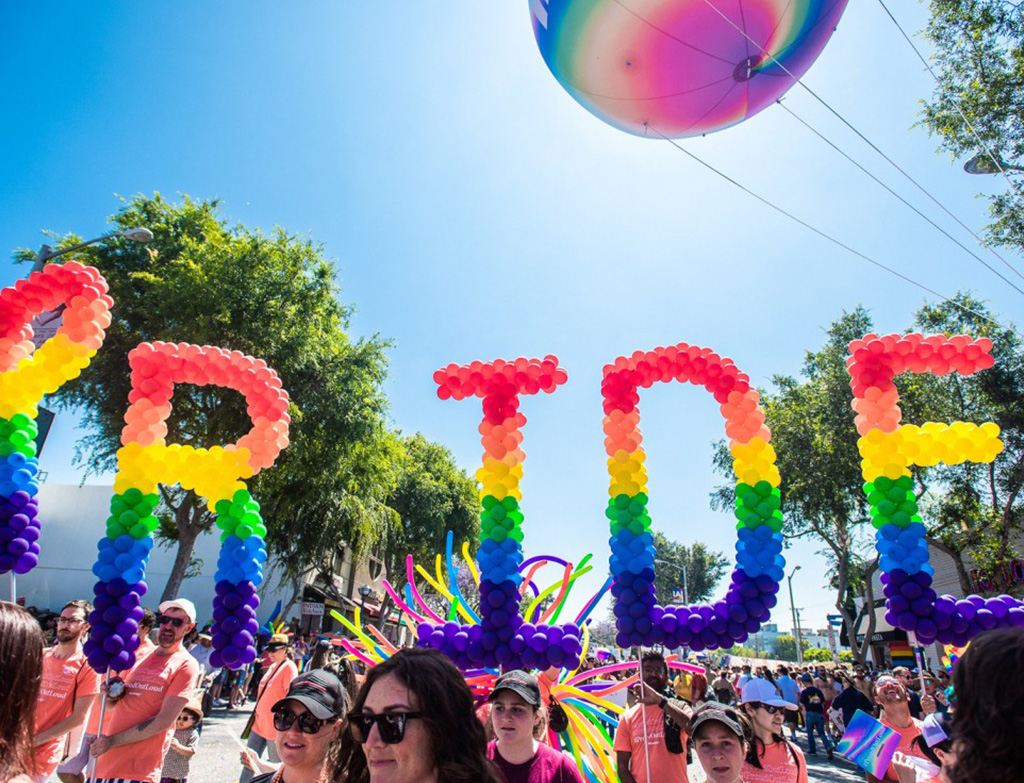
x=475, y=211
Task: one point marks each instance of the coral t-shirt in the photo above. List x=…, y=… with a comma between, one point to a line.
x=907, y=746
x=666, y=767
x=273, y=687
x=65, y=680
x=781, y=762
x=145, y=649
x=149, y=683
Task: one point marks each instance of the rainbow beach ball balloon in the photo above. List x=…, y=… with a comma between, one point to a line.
x=680, y=67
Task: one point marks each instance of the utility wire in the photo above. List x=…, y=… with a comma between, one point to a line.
x=984, y=147
x=864, y=138
x=927, y=219
x=816, y=230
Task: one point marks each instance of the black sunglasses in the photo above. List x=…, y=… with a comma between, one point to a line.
x=163, y=619
x=284, y=719
x=390, y=725
x=771, y=709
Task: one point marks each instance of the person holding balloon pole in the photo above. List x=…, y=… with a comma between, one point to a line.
x=132, y=746
x=650, y=741
x=273, y=687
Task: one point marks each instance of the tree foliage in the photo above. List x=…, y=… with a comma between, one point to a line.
x=784, y=647
x=703, y=567
x=816, y=446
x=276, y=297
x=979, y=54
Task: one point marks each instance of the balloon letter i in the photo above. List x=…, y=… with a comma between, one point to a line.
x=145, y=460
x=502, y=638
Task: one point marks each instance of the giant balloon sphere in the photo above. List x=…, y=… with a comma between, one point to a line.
x=680, y=67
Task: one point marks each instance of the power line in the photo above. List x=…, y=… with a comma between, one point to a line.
x=816, y=230
x=927, y=219
x=984, y=147
x=863, y=138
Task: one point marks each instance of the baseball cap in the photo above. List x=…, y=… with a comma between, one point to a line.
x=714, y=711
x=319, y=691
x=935, y=728
x=762, y=691
x=183, y=604
x=519, y=682
x=806, y=678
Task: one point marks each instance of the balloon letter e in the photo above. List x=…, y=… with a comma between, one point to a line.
x=889, y=449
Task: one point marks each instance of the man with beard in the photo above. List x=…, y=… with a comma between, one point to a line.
x=651, y=736
x=72, y=769
x=67, y=690
x=891, y=695
x=135, y=741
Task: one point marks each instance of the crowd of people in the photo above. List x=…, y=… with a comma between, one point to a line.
x=414, y=719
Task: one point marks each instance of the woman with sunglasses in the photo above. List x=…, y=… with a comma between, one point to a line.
x=413, y=722
x=273, y=686
x=771, y=758
x=307, y=722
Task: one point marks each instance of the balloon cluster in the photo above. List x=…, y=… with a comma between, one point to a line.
x=502, y=637
x=759, y=561
x=888, y=451
x=26, y=376
x=145, y=460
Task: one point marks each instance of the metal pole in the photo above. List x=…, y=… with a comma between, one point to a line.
x=792, y=607
x=14, y=587
x=686, y=591
x=91, y=769
x=799, y=634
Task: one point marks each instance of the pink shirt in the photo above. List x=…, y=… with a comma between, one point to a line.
x=149, y=683
x=273, y=687
x=65, y=680
x=666, y=767
x=778, y=765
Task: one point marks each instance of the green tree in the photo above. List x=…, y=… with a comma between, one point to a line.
x=815, y=442
x=972, y=509
x=785, y=647
x=430, y=497
x=703, y=569
x=816, y=655
x=204, y=281
x=979, y=54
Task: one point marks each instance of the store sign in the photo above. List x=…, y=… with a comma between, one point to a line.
x=312, y=609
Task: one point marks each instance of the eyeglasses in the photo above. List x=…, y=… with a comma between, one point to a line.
x=771, y=709
x=308, y=723
x=69, y=621
x=163, y=619
x=390, y=725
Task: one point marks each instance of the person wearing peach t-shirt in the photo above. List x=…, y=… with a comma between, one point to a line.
x=273, y=687
x=68, y=689
x=72, y=769
x=138, y=734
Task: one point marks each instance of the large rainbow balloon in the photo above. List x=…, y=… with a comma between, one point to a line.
x=680, y=67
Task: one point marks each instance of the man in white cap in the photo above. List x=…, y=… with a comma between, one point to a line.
x=138, y=733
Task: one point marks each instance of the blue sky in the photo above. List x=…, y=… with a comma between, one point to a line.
x=475, y=211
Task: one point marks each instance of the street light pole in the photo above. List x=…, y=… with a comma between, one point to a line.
x=796, y=622
x=682, y=569
x=47, y=253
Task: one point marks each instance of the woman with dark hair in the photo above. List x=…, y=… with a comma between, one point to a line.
x=770, y=758
x=21, y=670
x=988, y=681
x=413, y=722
